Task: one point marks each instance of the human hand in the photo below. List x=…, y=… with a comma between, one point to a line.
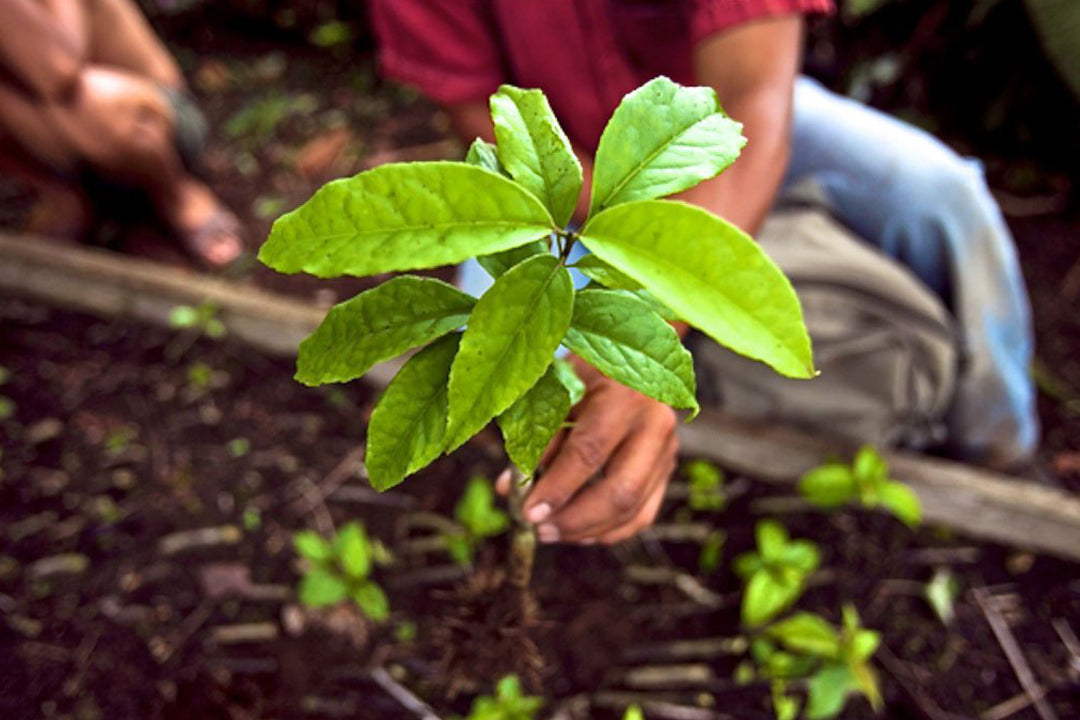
x=620, y=435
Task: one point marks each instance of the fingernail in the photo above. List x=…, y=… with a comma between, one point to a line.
x=503, y=479
x=548, y=533
x=587, y=541
x=538, y=513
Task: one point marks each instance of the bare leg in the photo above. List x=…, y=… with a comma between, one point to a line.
x=61, y=211
x=121, y=38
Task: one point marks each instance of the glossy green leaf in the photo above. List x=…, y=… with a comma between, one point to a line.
x=535, y=151
x=864, y=643
x=710, y=274
x=312, y=546
x=828, y=486
x=407, y=427
x=371, y=599
x=570, y=380
x=530, y=423
x=767, y=595
x=596, y=269
x=901, y=501
x=621, y=337
x=869, y=466
x=662, y=139
x=498, y=263
x=806, y=633
x=512, y=336
x=379, y=324
x=827, y=691
x=785, y=707
x=353, y=551
x=802, y=555
x=320, y=588
x=633, y=713
x=483, y=154
x=747, y=564
x=404, y=217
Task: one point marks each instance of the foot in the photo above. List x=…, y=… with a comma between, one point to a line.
x=207, y=229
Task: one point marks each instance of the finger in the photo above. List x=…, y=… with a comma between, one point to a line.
x=600, y=427
x=502, y=483
x=553, y=448
x=627, y=484
x=645, y=516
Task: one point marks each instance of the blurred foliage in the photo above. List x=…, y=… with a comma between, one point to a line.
x=974, y=73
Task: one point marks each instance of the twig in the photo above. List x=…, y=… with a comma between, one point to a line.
x=896, y=668
x=1069, y=639
x=1011, y=706
x=1014, y=654
x=402, y=694
x=702, y=649
x=347, y=467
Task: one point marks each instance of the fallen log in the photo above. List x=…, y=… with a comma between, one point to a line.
x=977, y=502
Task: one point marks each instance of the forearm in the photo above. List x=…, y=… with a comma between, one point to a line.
x=44, y=44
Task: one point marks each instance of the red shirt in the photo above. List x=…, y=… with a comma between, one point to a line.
x=584, y=54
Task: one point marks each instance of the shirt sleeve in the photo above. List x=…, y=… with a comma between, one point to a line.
x=446, y=48
x=712, y=16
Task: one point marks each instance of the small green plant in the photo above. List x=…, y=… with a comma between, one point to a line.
x=478, y=517
x=706, y=484
x=341, y=570
x=508, y=703
x=837, y=661
x=941, y=593
x=867, y=481
x=508, y=206
x=633, y=713
x=201, y=318
x=712, y=551
x=776, y=574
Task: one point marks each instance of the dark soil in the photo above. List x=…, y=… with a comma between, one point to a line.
x=116, y=442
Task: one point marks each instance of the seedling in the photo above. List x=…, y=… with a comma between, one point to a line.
x=478, y=517
x=508, y=206
x=867, y=481
x=775, y=575
x=839, y=659
x=712, y=551
x=508, y=703
x=202, y=318
x=941, y=593
x=341, y=570
x=706, y=483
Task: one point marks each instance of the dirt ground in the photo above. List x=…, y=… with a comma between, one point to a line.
x=150, y=481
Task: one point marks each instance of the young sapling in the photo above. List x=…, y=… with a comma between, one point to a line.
x=508, y=703
x=866, y=481
x=478, y=518
x=706, y=485
x=509, y=206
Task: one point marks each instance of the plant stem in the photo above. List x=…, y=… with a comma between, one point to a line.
x=522, y=542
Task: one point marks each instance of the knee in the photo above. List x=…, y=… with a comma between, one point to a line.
x=132, y=116
x=946, y=189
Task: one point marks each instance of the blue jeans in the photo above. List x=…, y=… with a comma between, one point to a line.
x=912, y=197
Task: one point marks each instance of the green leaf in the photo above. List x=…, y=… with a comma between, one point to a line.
x=747, y=565
x=662, y=139
x=772, y=538
x=461, y=547
x=864, y=643
x=802, y=555
x=712, y=551
x=807, y=633
x=353, y=551
x=941, y=592
x=498, y=263
x=370, y=598
x=869, y=466
x=596, y=269
x=512, y=336
x=827, y=691
x=867, y=683
x=530, y=423
x=476, y=509
x=321, y=587
x=633, y=713
x=829, y=485
x=785, y=707
x=901, y=501
x=404, y=217
x=535, y=151
x=408, y=426
x=766, y=597
x=621, y=337
x=570, y=380
x=312, y=546
x=484, y=155
x=710, y=274
x=379, y=324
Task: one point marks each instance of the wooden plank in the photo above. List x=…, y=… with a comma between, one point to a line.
x=979, y=503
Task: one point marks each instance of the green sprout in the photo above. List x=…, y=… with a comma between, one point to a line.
x=508, y=703
x=867, y=481
x=478, y=518
x=201, y=318
x=706, y=483
x=776, y=574
x=340, y=570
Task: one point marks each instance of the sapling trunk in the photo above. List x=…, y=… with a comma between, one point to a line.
x=522, y=543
